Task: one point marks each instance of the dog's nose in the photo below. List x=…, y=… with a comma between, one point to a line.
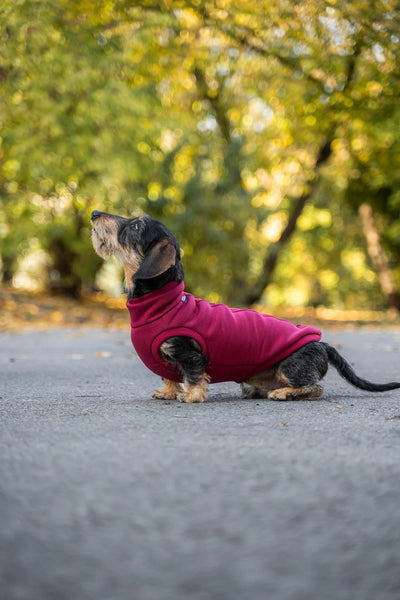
x=95, y=215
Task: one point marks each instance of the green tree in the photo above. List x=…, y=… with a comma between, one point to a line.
x=253, y=129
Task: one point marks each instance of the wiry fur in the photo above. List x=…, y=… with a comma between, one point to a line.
x=150, y=255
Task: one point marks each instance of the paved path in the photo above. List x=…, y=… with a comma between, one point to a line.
x=106, y=494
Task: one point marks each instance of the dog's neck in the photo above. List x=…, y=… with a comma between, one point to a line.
x=145, y=286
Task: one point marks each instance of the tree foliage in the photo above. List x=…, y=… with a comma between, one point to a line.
x=230, y=121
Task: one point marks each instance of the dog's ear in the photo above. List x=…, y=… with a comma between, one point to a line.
x=159, y=259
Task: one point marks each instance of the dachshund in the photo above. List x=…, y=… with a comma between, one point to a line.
x=190, y=342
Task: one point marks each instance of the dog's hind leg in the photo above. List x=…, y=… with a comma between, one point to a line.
x=300, y=374
x=301, y=393
x=294, y=378
x=261, y=384
x=251, y=392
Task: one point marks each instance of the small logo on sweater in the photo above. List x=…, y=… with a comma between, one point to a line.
x=183, y=299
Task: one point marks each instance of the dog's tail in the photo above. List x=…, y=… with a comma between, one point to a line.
x=345, y=370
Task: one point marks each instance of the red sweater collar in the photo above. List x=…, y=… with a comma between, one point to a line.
x=155, y=304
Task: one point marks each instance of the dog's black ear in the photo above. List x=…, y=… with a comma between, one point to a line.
x=159, y=259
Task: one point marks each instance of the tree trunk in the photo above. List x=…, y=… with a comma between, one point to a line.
x=379, y=257
x=275, y=249
x=9, y=265
x=324, y=153
x=65, y=277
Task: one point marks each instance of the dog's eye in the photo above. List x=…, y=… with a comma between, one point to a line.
x=135, y=225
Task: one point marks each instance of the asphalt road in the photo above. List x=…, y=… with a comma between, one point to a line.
x=106, y=494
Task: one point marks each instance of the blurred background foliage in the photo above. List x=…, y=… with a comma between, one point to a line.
x=263, y=133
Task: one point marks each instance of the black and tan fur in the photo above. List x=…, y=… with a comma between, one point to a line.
x=150, y=255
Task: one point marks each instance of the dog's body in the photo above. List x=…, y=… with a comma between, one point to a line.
x=238, y=344
x=190, y=341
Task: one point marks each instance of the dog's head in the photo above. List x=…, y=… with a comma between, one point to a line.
x=149, y=252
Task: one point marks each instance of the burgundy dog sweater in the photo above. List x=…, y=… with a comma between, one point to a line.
x=237, y=343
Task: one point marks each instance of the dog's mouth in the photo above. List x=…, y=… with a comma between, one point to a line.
x=101, y=244
x=95, y=232
x=99, y=232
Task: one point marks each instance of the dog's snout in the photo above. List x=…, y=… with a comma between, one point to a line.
x=95, y=215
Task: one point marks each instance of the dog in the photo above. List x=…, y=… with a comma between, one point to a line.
x=190, y=342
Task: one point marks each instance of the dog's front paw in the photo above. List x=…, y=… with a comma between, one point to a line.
x=160, y=395
x=193, y=395
x=169, y=391
x=197, y=392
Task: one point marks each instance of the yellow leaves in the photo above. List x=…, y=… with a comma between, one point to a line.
x=173, y=208
x=143, y=147
x=80, y=202
x=311, y=121
x=340, y=150
x=221, y=14
x=183, y=165
x=153, y=190
x=250, y=180
x=214, y=297
x=20, y=311
x=247, y=121
x=364, y=156
x=68, y=161
x=186, y=36
x=91, y=10
x=115, y=303
x=11, y=167
x=292, y=296
x=328, y=278
x=274, y=225
x=259, y=200
x=188, y=63
x=17, y=97
x=355, y=261
x=174, y=193
x=188, y=18
x=197, y=106
x=234, y=115
x=313, y=217
x=169, y=139
x=360, y=144
x=246, y=19
x=374, y=88
x=56, y=316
